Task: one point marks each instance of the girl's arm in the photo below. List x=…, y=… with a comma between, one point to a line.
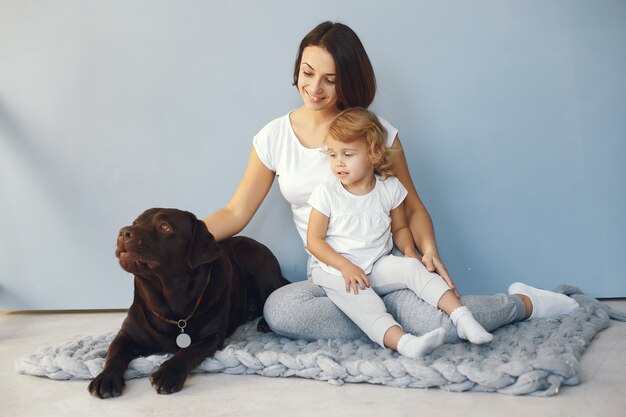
x=317, y=245
x=254, y=186
x=419, y=220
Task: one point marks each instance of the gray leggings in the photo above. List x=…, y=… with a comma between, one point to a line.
x=301, y=310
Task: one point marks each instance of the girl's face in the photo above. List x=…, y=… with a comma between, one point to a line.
x=316, y=81
x=351, y=164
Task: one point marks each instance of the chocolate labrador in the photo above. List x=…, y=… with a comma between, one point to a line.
x=191, y=292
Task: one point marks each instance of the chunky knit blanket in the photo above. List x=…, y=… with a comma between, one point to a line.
x=533, y=357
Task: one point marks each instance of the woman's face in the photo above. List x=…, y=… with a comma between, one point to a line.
x=316, y=81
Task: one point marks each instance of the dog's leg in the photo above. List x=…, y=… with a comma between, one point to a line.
x=110, y=382
x=171, y=376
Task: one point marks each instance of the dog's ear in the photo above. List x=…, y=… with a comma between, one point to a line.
x=203, y=248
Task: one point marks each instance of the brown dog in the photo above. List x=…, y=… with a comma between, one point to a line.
x=190, y=294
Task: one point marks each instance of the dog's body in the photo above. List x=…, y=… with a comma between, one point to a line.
x=185, y=282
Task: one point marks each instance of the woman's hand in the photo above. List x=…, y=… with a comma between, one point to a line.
x=433, y=263
x=354, y=277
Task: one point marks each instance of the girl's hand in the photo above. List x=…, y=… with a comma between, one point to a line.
x=433, y=263
x=355, y=277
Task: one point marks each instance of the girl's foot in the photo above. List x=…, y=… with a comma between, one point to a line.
x=418, y=346
x=545, y=303
x=468, y=328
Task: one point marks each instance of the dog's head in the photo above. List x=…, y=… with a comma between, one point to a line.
x=165, y=242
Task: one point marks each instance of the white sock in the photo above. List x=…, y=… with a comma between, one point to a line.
x=545, y=303
x=468, y=328
x=418, y=346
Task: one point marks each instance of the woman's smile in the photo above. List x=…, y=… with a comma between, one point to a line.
x=314, y=98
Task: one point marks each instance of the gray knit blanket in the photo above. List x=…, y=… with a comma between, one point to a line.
x=533, y=357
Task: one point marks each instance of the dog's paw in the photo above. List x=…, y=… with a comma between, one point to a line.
x=262, y=326
x=168, y=381
x=107, y=385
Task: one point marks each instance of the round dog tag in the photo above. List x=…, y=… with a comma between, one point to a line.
x=183, y=340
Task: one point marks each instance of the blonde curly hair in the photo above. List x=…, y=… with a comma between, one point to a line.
x=357, y=123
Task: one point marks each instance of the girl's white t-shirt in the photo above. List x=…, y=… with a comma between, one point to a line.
x=299, y=170
x=359, y=226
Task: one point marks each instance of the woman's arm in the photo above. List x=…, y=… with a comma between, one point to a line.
x=317, y=245
x=419, y=220
x=401, y=233
x=254, y=186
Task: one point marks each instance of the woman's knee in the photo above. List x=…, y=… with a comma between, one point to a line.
x=284, y=306
x=301, y=310
x=276, y=306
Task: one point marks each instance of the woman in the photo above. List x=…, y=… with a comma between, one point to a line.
x=333, y=72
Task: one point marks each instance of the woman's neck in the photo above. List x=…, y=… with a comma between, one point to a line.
x=311, y=126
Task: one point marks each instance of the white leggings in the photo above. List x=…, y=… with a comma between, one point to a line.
x=390, y=273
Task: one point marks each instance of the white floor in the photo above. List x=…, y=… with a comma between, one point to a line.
x=602, y=393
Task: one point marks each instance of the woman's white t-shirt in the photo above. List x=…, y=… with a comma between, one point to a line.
x=359, y=226
x=299, y=170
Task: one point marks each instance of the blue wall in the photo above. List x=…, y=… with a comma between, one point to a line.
x=511, y=114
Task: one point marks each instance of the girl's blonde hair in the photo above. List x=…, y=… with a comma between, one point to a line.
x=357, y=123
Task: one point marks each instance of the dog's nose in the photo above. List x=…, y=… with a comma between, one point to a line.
x=125, y=233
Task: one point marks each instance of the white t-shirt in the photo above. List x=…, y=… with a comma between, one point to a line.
x=299, y=170
x=359, y=226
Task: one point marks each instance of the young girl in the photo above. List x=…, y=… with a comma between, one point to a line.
x=353, y=220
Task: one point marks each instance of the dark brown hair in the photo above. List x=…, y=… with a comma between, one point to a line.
x=355, y=82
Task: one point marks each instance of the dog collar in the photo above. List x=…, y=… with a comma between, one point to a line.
x=183, y=340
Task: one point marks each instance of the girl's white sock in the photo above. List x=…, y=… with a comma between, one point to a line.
x=545, y=303
x=468, y=328
x=418, y=346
